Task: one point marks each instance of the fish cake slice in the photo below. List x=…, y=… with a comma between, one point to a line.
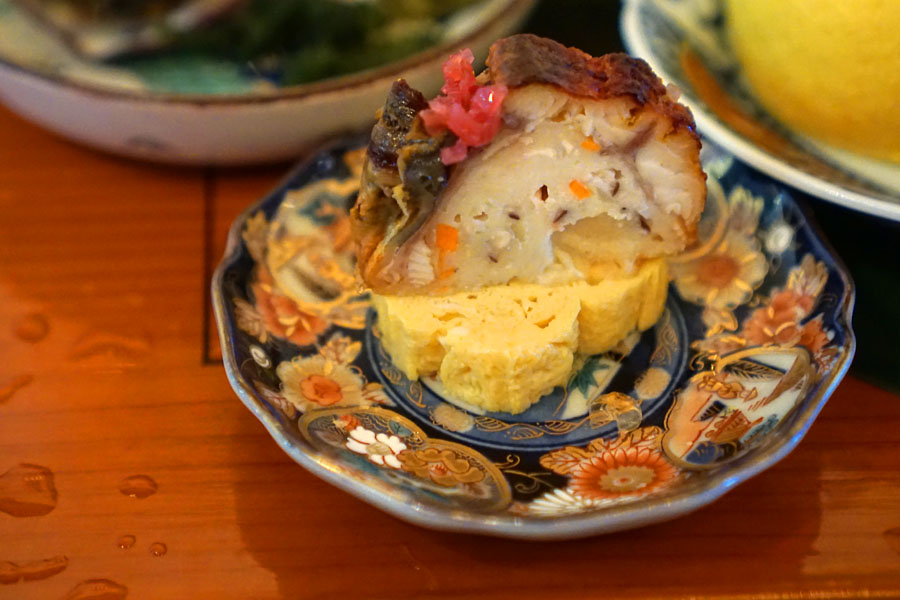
x=594, y=169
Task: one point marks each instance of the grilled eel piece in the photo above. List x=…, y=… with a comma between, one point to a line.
x=595, y=170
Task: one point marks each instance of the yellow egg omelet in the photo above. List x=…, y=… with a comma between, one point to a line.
x=501, y=348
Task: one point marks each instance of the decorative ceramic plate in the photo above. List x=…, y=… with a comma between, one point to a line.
x=755, y=336
x=684, y=42
x=203, y=111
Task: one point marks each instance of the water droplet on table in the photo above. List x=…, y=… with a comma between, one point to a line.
x=618, y=407
x=32, y=328
x=33, y=570
x=42, y=569
x=138, y=486
x=127, y=541
x=9, y=572
x=892, y=537
x=629, y=420
x=97, y=589
x=158, y=549
x=9, y=389
x=109, y=350
x=27, y=491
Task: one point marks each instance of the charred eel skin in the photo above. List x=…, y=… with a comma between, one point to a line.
x=402, y=178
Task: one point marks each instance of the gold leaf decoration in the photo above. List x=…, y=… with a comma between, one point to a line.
x=560, y=427
x=255, y=233
x=414, y=394
x=666, y=342
x=525, y=432
x=562, y=461
x=341, y=349
x=745, y=210
x=392, y=374
x=809, y=277
x=748, y=369
x=491, y=424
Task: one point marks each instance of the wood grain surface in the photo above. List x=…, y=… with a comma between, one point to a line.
x=108, y=370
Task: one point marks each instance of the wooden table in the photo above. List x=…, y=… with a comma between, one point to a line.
x=108, y=369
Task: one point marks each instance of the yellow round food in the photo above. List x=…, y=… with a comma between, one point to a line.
x=830, y=69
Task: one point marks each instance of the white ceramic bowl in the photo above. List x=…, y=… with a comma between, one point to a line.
x=107, y=108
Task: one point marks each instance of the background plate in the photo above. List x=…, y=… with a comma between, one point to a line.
x=684, y=42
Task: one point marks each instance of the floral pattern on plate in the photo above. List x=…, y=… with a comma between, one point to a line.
x=393, y=448
x=606, y=472
x=755, y=336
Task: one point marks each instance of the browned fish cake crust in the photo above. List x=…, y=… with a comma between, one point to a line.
x=526, y=58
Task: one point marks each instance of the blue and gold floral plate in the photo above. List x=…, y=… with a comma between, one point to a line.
x=755, y=336
x=685, y=43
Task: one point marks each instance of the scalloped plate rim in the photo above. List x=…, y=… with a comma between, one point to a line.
x=636, y=43
x=612, y=519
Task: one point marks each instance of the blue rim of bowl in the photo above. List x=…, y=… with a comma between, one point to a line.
x=709, y=125
x=514, y=9
x=612, y=519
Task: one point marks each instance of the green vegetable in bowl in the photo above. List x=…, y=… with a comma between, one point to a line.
x=299, y=41
x=218, y=43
